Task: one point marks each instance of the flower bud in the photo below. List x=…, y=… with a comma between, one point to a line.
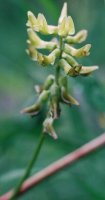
x=54, y=101
x=63, y=82
x=43, y=96
x=83, y=51
x=48, y=127
x=66, y=27
x=35, y=55
x=35, y=40
x=32, y=110
x=63, y=13
x=68, y=99
x=49, y=81
x=78, y=38
x=50, y=59
x=70, y=59
x=42, y=24
x=64, y=64
x=32, y=21
x=87, y=70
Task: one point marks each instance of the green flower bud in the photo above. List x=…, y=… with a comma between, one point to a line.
x=43, y=97
x=32, y=110
x=48, y=127
x=68, y=99
x=54, y=100
x=78, y=38
x=49, y=81
x=63, y=82
x=70, y=60
x=83, y=51
x=35, y=108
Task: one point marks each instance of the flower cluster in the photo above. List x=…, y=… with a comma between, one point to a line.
x=61, y=54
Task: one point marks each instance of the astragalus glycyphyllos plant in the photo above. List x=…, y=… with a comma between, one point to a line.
x=61, y=56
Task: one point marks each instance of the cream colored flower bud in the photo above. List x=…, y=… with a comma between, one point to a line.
x=42, y=24
x=78, y=38
x=50, y=59
x=32, y=21
x=86, y=70
x=63, y=13
x=65, y=65
x=35, y=55
x=48, y=127
x=70, y=60
x=83, y=51
x=66, y=27
x=39, y=43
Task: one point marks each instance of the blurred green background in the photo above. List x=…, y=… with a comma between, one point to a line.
x=18, y=75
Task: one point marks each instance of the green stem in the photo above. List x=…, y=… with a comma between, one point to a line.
x=30, y=165
x=57, y=72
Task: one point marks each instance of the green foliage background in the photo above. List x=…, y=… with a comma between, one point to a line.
x=18, y=75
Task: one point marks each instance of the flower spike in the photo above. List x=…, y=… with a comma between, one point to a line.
x=60, y=54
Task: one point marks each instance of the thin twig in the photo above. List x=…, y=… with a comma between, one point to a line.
x=58, y=165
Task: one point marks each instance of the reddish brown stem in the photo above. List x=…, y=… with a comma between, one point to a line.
x=58, y=165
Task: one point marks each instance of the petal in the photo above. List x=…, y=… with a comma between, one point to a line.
x=71, y=26
x=32, y=21
x=86, y=70
x=63, y=13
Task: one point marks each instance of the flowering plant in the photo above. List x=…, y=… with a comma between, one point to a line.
x=61, y=56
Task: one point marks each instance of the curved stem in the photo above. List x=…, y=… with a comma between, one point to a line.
x=30, y=165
